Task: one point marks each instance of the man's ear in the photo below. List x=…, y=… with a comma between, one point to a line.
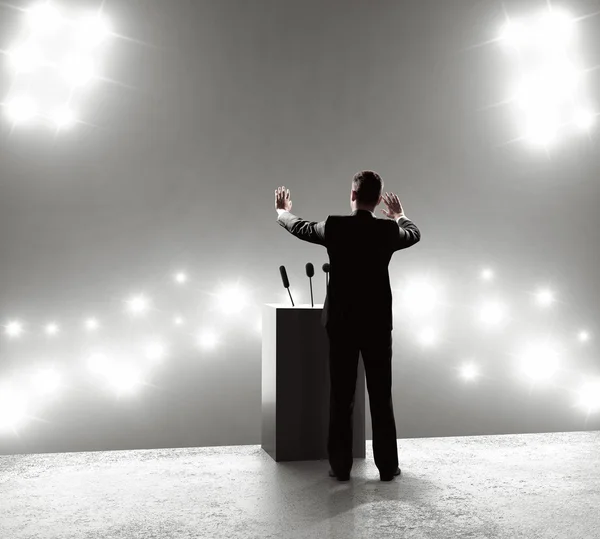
x=353, y=195
x=379, y=201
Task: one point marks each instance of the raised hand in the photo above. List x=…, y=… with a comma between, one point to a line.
x=282, y=199
x=394, y=207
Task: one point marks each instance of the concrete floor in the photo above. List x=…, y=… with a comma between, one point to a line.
x=516, y=486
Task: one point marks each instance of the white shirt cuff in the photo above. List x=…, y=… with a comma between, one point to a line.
x=280, y=211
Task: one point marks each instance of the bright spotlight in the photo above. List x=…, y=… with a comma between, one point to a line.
x=553, y=29
x=125, y=379
x=420, y=297
x=585, y=119
x=178, y=321
x=548, y=86
x=91, y=324
x=207, y=339
x=52, y=329
x=78, y=70
x=583, y=336
x=492, y=313
x=46, y=381
x=469, y=371
x=25, y=58
x=155, y=351
x=232, y=299
x=63, y=118
x=92, y=30
x=541, y=128
x=513, y=35
x=14, y=329
x=487, y=274
x=44, y=18
x=539, y=361
x=545, y=297
x=427, y=337
x=13, y=408
x=180, y=278
x=21, y=109
x=551, y=83
x=589, y=396
x=138, y=305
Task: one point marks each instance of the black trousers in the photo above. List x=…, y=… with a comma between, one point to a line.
x=375, y=345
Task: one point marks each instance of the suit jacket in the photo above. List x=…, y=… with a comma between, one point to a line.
x=360, y=247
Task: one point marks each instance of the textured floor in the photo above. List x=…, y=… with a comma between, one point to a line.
x=517, y=486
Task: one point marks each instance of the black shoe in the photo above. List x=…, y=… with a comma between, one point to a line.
x=339, y=477
x=390, y=477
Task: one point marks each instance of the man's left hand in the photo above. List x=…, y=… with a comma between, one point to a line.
x=282, y=199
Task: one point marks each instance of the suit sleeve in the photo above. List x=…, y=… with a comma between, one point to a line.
x=404, y=234
x=310, y=231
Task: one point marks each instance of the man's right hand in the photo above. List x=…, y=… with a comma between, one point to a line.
x=394, y=207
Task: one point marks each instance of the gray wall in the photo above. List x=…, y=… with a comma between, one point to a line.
x=215, y=104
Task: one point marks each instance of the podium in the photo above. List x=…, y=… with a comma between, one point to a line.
x=296, y=386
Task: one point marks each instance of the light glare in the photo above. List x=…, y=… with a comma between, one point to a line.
x=545, y=297
x=539, y=361
x=155, y=351
x=542, y=128
x=25, y=58
x=487, y=274
x=232, y=299
x=92, y=30
x=583, y=336
x=13, y=408
x=63, y=118
x=207, y=339
x=52, y=329
x=21, y=109
x=91, y=324
x=78, y=70
x=420, y=297
x=554, y=29
x=551, y=87
x=428, y=337
x=513, y=35
x=14, y=329
x=589, y=396
x=469, y=371
x=44, y=18
x=125, y=379
x=138, y=305
x=46, y=381
x=585, y=119
x=492, y=313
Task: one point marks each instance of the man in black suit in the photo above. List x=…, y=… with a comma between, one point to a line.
x=357, y=313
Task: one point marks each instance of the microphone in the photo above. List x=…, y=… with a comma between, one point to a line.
x=310, y=272
x=326, y=267
x=286, y=283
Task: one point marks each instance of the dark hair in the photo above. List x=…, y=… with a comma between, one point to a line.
x=368, y=186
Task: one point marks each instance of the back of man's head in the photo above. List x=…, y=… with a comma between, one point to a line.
x=368, y=186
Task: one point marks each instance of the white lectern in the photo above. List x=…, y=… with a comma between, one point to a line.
x=295, y=386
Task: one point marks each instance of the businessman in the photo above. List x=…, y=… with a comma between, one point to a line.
x=357, y=313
